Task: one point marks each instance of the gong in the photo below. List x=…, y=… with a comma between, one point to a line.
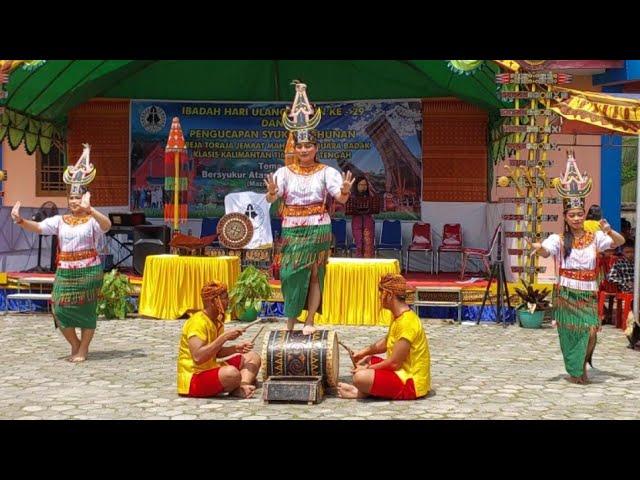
x=235, y=230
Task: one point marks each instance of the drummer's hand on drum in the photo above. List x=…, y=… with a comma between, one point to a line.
x=244, y=347
x=357, y=357
x=233, y=334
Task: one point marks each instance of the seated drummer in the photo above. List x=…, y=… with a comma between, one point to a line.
x=405, y=373
x=202, y=344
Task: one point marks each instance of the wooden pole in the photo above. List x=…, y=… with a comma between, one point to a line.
x=176, y=192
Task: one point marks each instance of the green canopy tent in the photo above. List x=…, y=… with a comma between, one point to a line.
x=39, y=100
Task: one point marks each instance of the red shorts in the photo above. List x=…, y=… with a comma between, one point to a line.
x=387, y=384
x=207, y=384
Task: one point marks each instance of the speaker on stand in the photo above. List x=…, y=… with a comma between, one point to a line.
x=149, y=240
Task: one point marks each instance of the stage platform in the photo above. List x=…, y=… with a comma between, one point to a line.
x=15, y=277
x=472, y=290
x=472, y=287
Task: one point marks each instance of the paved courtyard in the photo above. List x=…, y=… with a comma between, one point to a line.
x=478, y=372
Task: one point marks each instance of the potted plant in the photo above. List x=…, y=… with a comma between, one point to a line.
x=531, y=310
x=246, y=296
x=114, y=300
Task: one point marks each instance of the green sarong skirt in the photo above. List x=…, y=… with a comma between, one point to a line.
x=576, y=315
x=75, y=296
x=302, y=247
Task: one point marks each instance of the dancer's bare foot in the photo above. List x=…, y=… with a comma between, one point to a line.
x=80, y=356
x=584, y=378
x=291, y=322
x=346, y=390
x=74, y=352
x=576, y=380
x=308, y=330
x=244, y=391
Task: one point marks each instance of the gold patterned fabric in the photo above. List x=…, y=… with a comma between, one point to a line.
x=303, y=210
x=74, y=220
x=582, y=275
x=310, y=170
x=607, y=111
x=75, y=256
x=171, y=284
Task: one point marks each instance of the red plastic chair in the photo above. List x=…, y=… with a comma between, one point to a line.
x=451, y=241
x=624, y=303
x=482, y=253
x=421, y=242
x=607, y=291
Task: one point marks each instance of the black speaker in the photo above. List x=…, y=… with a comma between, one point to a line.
x=149, y=240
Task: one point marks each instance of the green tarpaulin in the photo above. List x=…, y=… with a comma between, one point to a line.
x=39, y=100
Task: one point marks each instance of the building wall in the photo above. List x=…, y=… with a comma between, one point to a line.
x=104, y=124
x=454, y=151
x=21, y=172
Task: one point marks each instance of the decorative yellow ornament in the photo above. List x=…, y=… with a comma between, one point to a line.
x=503, y=181
x=555, y=182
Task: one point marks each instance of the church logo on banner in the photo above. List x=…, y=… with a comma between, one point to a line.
x=255, y=207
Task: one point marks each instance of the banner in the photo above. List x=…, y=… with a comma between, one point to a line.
x=232, y=147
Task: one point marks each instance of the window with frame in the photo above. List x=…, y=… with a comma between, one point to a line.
x=49, y=171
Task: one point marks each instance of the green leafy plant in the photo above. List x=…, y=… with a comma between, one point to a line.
x=114, y=301
x=251, y=288
x=532, y=298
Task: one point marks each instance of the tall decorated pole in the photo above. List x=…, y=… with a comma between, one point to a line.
x=530, y=124
x=175, y=157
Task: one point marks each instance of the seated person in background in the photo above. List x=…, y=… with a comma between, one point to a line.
x=405, y=373
x=625, y=229
x=621, y=274
x=200, y=373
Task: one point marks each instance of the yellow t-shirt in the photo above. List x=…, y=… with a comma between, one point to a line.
x=201, y=326
x=418, y=363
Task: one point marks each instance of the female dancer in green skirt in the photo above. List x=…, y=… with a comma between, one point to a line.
x=575, y=252
x=306, y=226
x=79, y=273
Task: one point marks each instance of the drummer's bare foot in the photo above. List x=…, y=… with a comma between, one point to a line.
x=244, y=391
x=346, y=390
x=308, y=330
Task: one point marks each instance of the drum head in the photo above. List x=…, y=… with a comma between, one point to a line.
x=235, y=230
x=333, y=359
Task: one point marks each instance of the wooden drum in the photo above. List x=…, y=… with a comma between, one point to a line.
x=287, y=353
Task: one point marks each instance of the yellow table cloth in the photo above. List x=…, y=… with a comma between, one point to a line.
x=171, y=284
x=350, y=294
